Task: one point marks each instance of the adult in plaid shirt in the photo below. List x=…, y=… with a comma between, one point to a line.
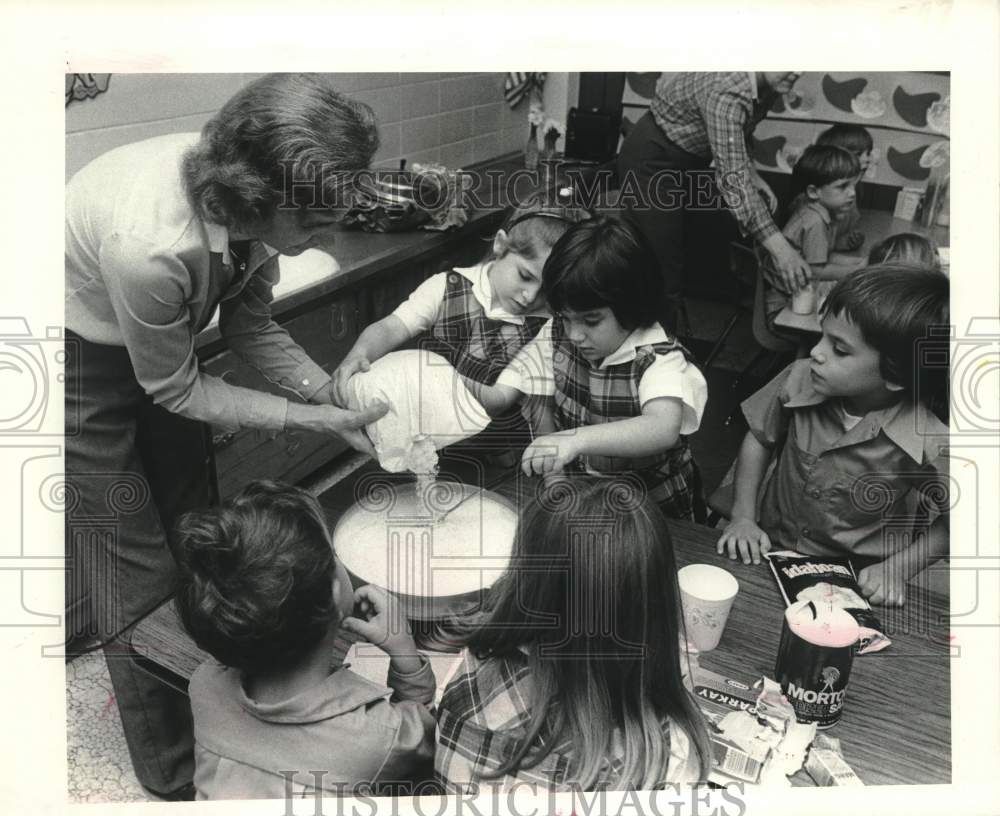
x=693, y=120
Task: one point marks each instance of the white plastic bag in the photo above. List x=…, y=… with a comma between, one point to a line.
x=426, y=398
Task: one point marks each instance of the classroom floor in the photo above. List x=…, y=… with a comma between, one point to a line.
x=99, y=769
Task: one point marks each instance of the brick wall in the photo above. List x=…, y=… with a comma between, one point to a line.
x=453, y=118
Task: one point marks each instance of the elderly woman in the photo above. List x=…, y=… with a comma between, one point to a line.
x=160, y=234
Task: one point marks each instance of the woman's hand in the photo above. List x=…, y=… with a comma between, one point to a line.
x=744, y=535
x=349, y=366
x=349, y=425
x=551, y=453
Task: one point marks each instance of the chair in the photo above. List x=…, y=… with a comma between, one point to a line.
x=743, y=266
x=778, y=347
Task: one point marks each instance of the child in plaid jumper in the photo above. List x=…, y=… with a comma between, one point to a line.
x=586, y=614
x=622, y=394
x=477, y=317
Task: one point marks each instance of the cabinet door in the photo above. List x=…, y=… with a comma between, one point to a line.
x=327, y=334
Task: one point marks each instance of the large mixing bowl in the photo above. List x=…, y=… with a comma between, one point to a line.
x=393, y=538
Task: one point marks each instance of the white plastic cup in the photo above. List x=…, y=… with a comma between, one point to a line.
x=707, y=595
x=804, y=300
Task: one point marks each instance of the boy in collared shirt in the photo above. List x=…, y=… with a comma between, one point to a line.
x=825, y=178
x=854, y=437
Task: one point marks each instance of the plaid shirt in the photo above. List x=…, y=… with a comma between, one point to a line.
x=586, y=395
x=478, y=347
x=714, y=115
x=484, y=714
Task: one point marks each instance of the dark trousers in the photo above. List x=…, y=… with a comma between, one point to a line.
x=658, y=188
x=131, y=469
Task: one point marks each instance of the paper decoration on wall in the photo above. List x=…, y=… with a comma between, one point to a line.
x=913, y=108
x=939, y=116
x=869, y=105
x=841, y=94
x=937, y=154
x=795, y=103
x=908, y=164
x=765, y=151
x=643, y=84
x=85, y=86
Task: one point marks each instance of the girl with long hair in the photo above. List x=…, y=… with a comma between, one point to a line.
x=572, y=672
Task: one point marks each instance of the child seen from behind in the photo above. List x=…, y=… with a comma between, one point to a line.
x=263, y=592
x=571, y=678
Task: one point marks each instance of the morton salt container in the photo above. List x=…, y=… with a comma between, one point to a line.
x=817, y=647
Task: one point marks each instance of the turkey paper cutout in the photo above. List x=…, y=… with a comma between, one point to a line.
x=765, y=151
x=913, y=109
x=840, y=94
x=643, y=84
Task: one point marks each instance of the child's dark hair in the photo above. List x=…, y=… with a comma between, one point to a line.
x=850, y=137
x=822, y=164
x=604, y=262
x=902, y=312
x=256, y=576
x=908, y=248
x=533, y=230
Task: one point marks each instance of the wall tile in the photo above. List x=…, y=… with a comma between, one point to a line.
x=424, y=156
x=457, y=125
x=390, y=143
x=464, y=92
x=417, y=112
x=458, y=154
x=488, y=118
x=486, y=146
x=133, y=98
x=419, y=99
x=420, y=134
x=351, y=82
x=89, y=144
x=384, y=101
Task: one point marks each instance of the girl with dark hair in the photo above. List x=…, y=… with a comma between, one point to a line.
x=263, y=592
x=622, y=394
x=159, y=234
x=572, y=672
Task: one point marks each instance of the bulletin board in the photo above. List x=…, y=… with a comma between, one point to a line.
x=906, y=112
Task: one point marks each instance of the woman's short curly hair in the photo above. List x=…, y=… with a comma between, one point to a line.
x=256, y=576
x=285, y=140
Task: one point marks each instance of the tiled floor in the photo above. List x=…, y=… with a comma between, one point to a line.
x=99, y=765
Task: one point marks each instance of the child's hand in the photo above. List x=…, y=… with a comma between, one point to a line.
x=853, y=240
x=884, y=583
x=379, y=620
x=744, y=535
x=550, y=453
x=348, y=367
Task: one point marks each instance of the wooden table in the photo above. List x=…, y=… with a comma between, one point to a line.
x=896, y=727
x=876, y=225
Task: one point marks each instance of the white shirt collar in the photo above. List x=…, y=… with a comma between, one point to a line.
x=482, y=290
x=625, y=353
x=753, y=83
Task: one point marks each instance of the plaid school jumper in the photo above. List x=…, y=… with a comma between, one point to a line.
x=585, y=395
x=478, y=347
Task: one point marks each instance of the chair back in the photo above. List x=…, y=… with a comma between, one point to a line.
x=745, y=262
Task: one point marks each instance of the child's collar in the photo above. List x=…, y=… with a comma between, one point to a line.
x=642, y=336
